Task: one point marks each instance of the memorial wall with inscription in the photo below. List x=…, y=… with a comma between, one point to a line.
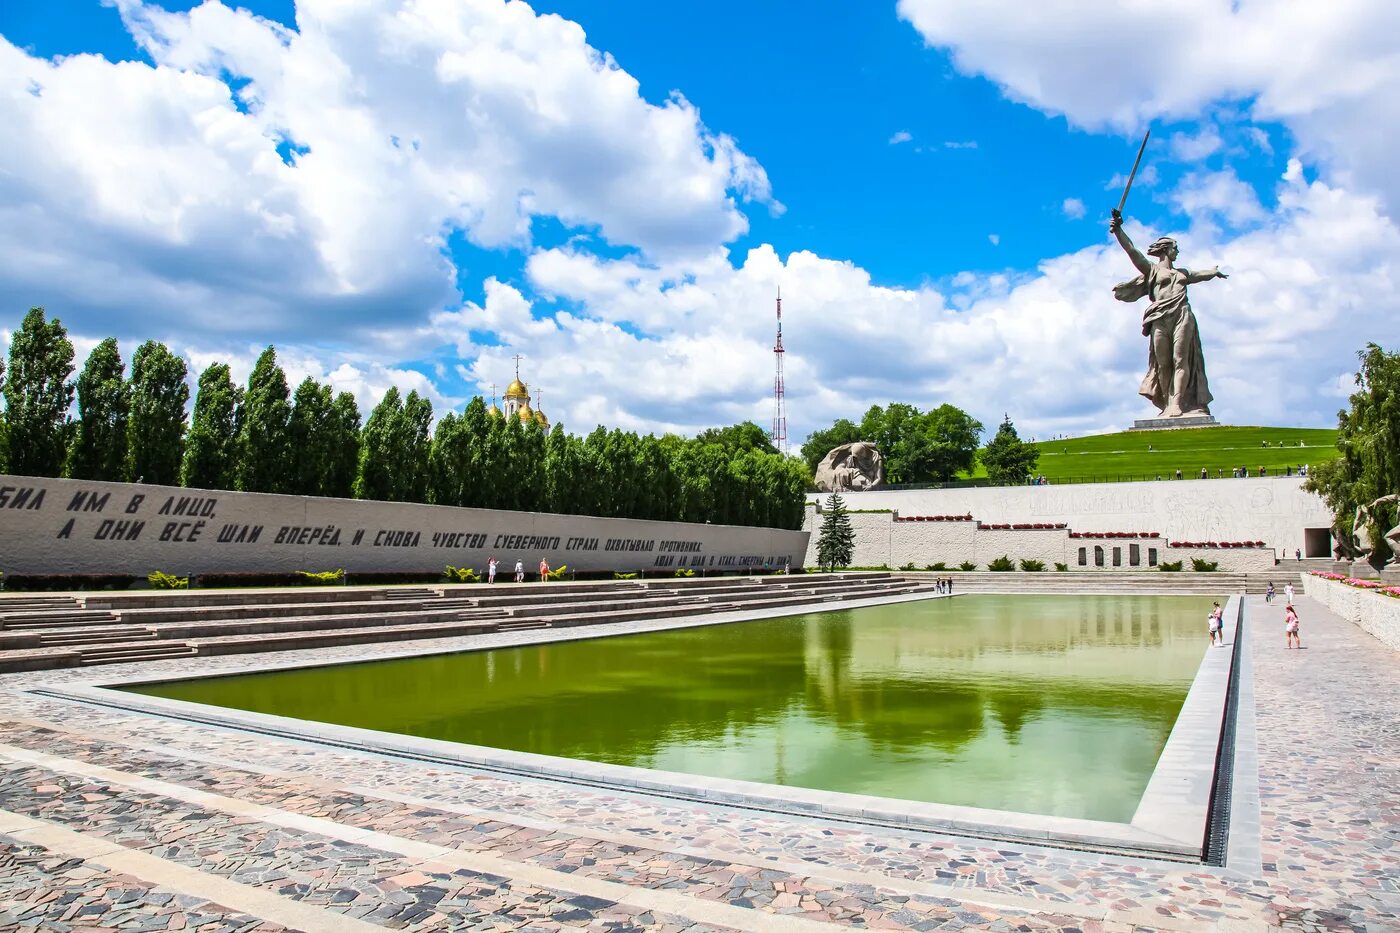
x=56, y=526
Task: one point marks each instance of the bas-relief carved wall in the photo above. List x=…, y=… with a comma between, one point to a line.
x=52, y=526
x=1275, y=510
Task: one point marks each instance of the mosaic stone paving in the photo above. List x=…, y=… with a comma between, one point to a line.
x=1329, y=748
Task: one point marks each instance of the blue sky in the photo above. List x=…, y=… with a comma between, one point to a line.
x=942, y=176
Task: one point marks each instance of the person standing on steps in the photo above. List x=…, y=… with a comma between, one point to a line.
x=491, y=566
x=544, y=570
x=519, y=571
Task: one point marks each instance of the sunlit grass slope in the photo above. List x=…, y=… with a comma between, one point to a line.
x=1146, y=454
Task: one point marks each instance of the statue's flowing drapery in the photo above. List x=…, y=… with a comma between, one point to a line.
x=1176, y=365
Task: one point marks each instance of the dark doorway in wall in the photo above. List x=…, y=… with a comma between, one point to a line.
x=1317, y=542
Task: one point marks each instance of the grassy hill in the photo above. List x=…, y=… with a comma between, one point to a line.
x=1130, y=455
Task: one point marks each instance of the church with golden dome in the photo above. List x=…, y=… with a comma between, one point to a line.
x=517, y=403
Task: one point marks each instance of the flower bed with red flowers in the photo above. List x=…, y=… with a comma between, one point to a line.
x=934, y=518
x=1224, y=544
x=1375, y=586
x=1115, y=534
x=1022, y=526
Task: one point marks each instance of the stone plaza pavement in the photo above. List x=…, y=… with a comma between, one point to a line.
x=115, y=821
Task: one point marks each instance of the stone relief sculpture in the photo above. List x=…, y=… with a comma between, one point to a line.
x=851, y=467
x=1176, y=368
x=1360, y=547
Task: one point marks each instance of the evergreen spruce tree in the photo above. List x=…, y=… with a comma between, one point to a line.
x=156, y=427
x=1007, y=458
x=38, y=392
x=264, y=445
x=343, y=458
x=211, y=447
x=98, y=449
x=378, y=450
x=836, y=542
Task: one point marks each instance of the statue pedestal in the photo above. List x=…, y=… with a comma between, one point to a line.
x=1362, y=570
x=1170, y=424
x=1390, y=575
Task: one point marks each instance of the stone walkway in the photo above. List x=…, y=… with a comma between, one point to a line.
x=115, y=821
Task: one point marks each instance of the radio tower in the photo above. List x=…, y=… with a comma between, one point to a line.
x=779, y=435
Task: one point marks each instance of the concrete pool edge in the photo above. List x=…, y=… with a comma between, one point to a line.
x=996, y=825
x=1177, y=801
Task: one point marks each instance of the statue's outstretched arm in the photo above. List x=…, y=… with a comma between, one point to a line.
x=1115, y=226
x=1206, y=275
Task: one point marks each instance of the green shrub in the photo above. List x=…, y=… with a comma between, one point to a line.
x=323, y=578
x=1204, y=566
x=461, y=575
x=1002, y=564
x=1032, y=566
x=967, y=565
x=558, y=572
x=908, y=566
x=685, y=572
x=1168, y=566
x=1062, y=568
x=938, y=566
x=167, y=581
x=624, y=576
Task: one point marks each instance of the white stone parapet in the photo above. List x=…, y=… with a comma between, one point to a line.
x=1372, y=612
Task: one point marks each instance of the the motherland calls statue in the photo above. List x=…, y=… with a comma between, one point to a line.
x=1176, y=368
x=851, y=467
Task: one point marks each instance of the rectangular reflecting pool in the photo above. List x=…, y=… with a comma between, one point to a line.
x=1041, y=704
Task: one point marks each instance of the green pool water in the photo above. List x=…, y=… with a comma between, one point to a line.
x=1043, y=704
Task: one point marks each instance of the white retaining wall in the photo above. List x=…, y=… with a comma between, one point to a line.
x=880, y=540
x=1374, y=613
x=1274, y=510
x=57, y=526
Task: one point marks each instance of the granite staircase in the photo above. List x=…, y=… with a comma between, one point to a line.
x=146, y=625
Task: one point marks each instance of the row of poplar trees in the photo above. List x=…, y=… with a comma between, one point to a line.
x=263, y=437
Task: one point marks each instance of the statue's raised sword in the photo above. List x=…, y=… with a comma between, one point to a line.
x=1118, y=211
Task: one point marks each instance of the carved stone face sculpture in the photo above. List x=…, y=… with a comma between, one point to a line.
x=851, y=467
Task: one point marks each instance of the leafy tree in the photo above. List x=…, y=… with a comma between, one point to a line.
x=1007, y=458
x=952, y=436
x=98, y=449
x=378, y=457
x=4, y=429
x=311, y=430
x=820, y=443
x=211, y=446
x=156, y=428
x=342, y=448
x=264, y=444
x=740, y=437
x=37, y=395
x=1368, y=436
x=836, y=542
x=414, y=430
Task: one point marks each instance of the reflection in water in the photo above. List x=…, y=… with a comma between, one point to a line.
x=1053, y=704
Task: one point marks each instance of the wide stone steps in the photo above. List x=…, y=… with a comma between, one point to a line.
x=272, y=622
x=10, y=621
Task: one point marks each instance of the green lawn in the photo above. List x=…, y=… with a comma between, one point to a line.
x=1126, y=455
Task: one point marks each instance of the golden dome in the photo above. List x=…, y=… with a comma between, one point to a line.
x=517, y=390
x=526, y=415
x=541, y=419
x=493, y=411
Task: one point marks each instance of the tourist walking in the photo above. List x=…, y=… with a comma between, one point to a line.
x=1288, y=593
x=1269, y=595
x=1297, y=553
x=1290, y=628
x=491, y=569
x=519, y=571
x=544, y=569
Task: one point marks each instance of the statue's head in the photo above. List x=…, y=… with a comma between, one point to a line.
x=1163, y=246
